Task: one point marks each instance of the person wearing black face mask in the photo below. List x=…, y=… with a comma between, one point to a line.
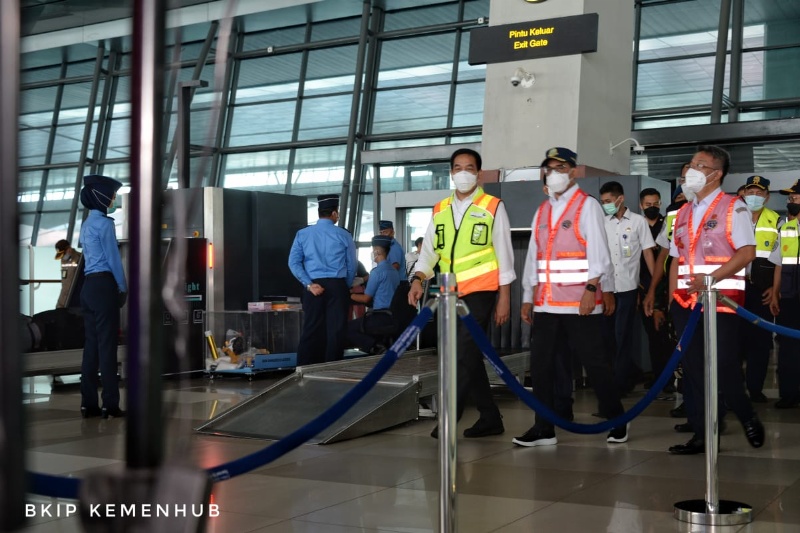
x=786, y=303
x=659, y=344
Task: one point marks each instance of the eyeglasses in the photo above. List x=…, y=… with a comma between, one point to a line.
x=558, y=168
x=794, y=198
x=701, y=167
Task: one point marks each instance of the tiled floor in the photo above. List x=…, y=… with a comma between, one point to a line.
x=388, y=482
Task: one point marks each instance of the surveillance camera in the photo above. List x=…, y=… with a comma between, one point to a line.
x=637, y=149
x=515, y=80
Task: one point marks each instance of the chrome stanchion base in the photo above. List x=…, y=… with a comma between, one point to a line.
x=730, y=513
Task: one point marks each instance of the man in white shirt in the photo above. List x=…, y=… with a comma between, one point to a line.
x=470, y=235
x=567, y=283
x=629, y=239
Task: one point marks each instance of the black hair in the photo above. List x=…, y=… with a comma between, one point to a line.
x=613, y=187
x=466, y=151
x=418, y=242
x=649, y=192
x=718, y=154
x=327, y=212
x=382, y=247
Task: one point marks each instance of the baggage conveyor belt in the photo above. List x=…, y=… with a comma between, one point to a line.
x=304, y=395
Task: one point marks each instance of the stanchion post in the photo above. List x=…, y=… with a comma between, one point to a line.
x=447, y=322
x=712, y=511
x=712, y=428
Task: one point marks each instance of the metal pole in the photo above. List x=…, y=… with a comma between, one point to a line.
x=12, y=442
x=712, y=431
x=145, y=333
x=447, y=402
x=719, y=63
x=737, y=36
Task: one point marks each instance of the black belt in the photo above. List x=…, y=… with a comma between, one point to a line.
x=100, y=274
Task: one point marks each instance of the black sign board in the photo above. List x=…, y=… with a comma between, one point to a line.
x=531, y=40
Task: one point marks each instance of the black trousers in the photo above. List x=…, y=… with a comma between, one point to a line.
x=555, y=335
x=659, y=343
x=756, y=341
x=730, y=380
x=361, y=332
x=789, y=352
x=324, y=323
x=471, y=376
x=100, y=305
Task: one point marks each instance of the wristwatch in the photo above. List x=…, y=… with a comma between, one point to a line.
x=308, y=287
x=417, y=278
x=591, y=288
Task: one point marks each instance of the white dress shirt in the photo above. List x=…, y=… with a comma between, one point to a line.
x=501, y=240
x=627, y=236
x=591, y=227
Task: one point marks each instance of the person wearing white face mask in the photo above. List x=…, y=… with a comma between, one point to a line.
x=568, y=283
x=470, y=235
x=713, y=238
x=760, y=284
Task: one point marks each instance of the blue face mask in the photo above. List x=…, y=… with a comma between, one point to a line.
x=754, y=203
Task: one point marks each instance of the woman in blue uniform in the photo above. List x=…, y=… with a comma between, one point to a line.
x=104, y=292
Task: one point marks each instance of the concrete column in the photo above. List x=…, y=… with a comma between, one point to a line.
x=582, y=102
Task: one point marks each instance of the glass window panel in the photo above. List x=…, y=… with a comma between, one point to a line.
x=74, y=102
x=262, y=124
x=426, y=59
x=782, y=72
x=325, y=117
x=670, y=122
x=418, y=108
x=780, y=18
x=676, y=83
x=279, y=37
x=28, y=183
x=53, y=225
x=85, y=68
x=474, y=9
x=32, y=146
x=119, y=138
x=468, y=110
x=37, y=100
x=268, y=78
x=33, y=75
x=322, y=31
x=465, y=70
x=25, y=231
x=120, y=172
x=416, y=18
x=331, y=70
x=263, y=171
x=406, y=143
x=68, y=142
x=61, y=183
x=318, y=170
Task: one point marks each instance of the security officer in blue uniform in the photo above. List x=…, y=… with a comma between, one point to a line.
x=323, y=259
x=381, y=285
x=104, y=292
x=397, y=257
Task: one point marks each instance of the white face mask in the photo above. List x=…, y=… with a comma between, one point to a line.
x=557, y=182
x=690, y=195
x=695, y=181
x=465, y=181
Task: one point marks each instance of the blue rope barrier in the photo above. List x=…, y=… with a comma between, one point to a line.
x=758, y=321
x=64, y=487
x=531, y=401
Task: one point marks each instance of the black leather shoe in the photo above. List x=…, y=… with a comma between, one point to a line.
x=113, y=413
x=693, y=447
x=754, y=431
x=758, y=397
x=484, y=428
x=686, y=427
x=678, y=412
x=90, y=412
x=784, y=403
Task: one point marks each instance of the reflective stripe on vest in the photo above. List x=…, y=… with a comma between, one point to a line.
x=670, y=222
x=468, y=251
x=716, y=250
x=766, y=232
x=790, y=244
x=562, y=266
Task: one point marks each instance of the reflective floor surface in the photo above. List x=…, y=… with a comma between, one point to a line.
x=388, y=482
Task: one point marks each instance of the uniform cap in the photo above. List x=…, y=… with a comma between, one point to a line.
x=385, y=224
x=328, y=201
x=794, y=189
x=565, y=155
x=98, y=191
x=757, y=181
